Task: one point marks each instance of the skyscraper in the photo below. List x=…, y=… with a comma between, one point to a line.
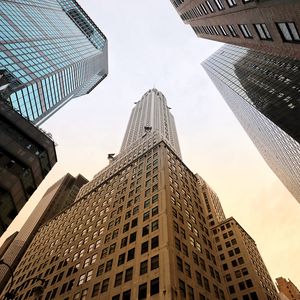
x=262, y=90
x=139, y=230
x=271, y=26
x=59, y=196
x=27, y=154
x=51, y=52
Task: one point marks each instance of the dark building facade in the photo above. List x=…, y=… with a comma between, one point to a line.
x=139, y=230
x=26, y=156
x=263, y=92
x=51, y=52
x=59, y=196
x=271, y=26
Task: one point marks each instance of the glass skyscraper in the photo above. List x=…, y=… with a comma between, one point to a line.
x=51, y=52
x=263, y=92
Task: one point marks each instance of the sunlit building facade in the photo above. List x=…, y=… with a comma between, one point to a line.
x=271, y=26
x=263, y=90
x=59, y=196
x=138, y=230
x=51, y=52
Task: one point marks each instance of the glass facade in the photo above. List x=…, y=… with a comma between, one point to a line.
x=263, y=91
x=50, y=53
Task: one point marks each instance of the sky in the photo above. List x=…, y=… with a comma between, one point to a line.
x=149, y=46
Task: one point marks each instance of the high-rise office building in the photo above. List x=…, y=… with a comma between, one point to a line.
x=139, y=230
x=51, y=52
x=263, y=90
x=26, y=156
x=59, y=196
x=242, y=265
x=271, y=26
x=287, y=288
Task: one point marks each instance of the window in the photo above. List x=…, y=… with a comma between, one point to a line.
x=118, y=279
x=124, y=242
x=134, y=222
x=146, y=215
x=187, y=270
x=105, y=284
x=233, y=32
x=231, y=3
x=219, y=4
x=127, y=295
x=130, y=254
x=128, y=274
x=144, y=247
x=231, y=289
x=121, y=259
x=288, y=31
x=145, y=230
x=108, y=265
x=144, y=267
x=154, y=286
x=155, y=262
x=96, y=289
x=154, y=225
x=246, y=33
x=185, y=250
x=263, y=31
x=210, y=6
x=182, y=289
x=242, y=286
x=154, y=211
x=190, y=292
x=179, y=264
x=132, y=237
x=100, y=270
x=142, y=291
x=154, y=242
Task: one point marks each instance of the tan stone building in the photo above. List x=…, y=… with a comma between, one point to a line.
x=287, y=288
x=271, y=26
x=244, y=271
x=138, y=230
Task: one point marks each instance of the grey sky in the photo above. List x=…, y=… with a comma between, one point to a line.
x=150, y=46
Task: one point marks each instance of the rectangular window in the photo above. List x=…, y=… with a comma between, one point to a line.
x=210, y=6
x=232, y=30
x=231, y=3
x=130, y=254
x=105, y=285
x=155, y=262
x=128, y=274
x=182, y=289
x=144, y=247
x=142, y=291
x=219, y=4
x=288, y=31
x=154, y=286
x=245, y=31
x=118, y=279
x=154, y=242
x=263, y=31
x=144, y=267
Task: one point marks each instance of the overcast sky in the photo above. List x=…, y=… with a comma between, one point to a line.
x=149, y=46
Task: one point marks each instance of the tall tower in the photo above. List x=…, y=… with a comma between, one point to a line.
x=139, y=230
x=270, y=26
x=51, y=52
x=262, y=90
x=151, y=113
